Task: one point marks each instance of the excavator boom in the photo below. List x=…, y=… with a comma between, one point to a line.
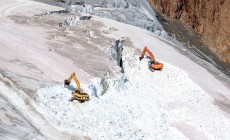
x=73, y=76
x=146, y=50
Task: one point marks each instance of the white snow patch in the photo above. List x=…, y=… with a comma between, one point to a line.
x=137, y=105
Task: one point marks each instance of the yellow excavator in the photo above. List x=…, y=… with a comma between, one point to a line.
x=77, y=95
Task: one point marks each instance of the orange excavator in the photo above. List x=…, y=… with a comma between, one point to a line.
x=154, y=65
x=77, y=95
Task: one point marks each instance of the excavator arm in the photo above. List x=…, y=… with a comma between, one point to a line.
x=146, y=50
x=73, y=76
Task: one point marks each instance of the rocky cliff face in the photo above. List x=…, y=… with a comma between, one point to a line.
x=209, y=18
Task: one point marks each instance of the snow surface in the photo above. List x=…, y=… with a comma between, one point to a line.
x=174, y=103
x=137, y=105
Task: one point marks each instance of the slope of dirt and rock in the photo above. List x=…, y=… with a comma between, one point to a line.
x=209, y=19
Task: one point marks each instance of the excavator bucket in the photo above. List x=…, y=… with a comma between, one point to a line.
x=66, y=83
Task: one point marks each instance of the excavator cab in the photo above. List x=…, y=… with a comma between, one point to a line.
x=77, y=95
x=153, y=65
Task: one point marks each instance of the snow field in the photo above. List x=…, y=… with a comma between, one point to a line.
x=183, y=101
x=137, y=105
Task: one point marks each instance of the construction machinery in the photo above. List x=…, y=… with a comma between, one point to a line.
x=153, y=65
x=77, y=95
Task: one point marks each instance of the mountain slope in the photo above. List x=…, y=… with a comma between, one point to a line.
x=170, y=104
x=209, y=18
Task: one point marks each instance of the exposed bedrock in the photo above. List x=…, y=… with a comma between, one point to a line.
x=209, y=18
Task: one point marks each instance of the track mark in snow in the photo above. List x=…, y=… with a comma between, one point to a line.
x=5, y=11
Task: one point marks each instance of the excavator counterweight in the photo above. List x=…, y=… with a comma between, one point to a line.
x=77, y=95
x=153, y=64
